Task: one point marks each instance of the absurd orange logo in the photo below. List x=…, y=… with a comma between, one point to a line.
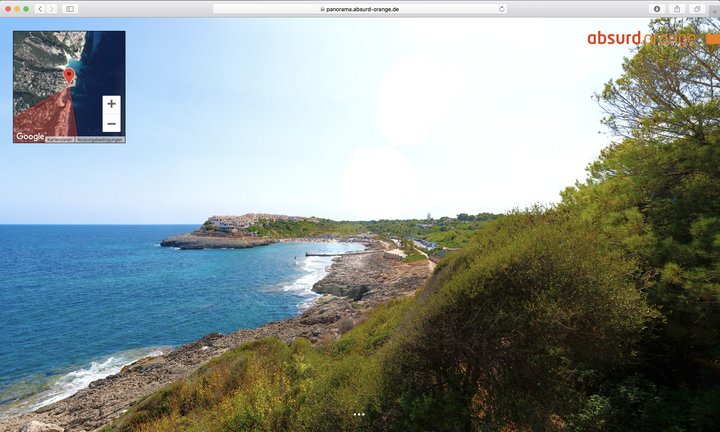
x=678, y=39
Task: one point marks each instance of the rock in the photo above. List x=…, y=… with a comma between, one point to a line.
x=36, y=426
x=192, y=241
x=352, y=276
x=398, y=256
x=320, y=316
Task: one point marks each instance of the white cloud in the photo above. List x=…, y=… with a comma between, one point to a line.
x=497, y=114
x=378, y=182
x=415, y=95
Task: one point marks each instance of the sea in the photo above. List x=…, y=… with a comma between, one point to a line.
x=77, y=303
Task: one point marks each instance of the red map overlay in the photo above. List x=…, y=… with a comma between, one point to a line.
x=53, y=116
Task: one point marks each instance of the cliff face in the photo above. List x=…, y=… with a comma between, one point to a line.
x=193, y=241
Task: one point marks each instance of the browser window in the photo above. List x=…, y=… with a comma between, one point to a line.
x=387, y=215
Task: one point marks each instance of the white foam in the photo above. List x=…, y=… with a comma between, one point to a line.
x=314, y=269
x=66, y=385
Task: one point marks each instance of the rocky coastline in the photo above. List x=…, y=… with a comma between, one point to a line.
x=193, y=242
x=354, y=284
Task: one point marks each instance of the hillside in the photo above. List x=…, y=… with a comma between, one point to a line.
x=599, y=313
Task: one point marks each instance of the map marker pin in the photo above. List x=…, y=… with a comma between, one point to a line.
x=69, y=74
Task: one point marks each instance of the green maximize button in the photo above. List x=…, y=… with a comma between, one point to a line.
x=25, y=9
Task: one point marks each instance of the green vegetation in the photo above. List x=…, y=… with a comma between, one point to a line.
x=601, y=313
x=464, y=217
x=208, y=226
x=507, y=328
x=446, y=232
x=305, y=228
x=267, y=386
x=657, y=193
x=415, y=257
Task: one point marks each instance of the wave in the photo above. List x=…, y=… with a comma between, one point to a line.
x=314, y=269
x=33, y=393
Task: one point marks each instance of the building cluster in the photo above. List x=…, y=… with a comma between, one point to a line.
x=250, y=219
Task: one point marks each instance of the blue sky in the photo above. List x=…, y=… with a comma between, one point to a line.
x=340, y=118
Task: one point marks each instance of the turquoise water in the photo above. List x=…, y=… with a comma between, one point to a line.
x=80, y=302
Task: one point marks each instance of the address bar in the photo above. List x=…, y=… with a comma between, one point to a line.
x=359, y=9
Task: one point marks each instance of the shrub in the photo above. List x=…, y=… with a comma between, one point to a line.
x=505, y=324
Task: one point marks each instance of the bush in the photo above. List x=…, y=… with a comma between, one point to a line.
x=506, y=325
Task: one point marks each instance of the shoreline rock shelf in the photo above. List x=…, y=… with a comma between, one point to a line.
x=194, y=242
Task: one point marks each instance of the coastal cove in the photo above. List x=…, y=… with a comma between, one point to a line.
x=81, y=302
x=374, y=277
